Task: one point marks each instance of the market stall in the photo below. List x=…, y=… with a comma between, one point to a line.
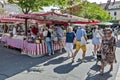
x=37, y=47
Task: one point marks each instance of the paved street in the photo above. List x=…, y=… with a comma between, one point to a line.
x=14, y=66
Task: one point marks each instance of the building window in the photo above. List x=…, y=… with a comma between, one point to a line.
x=115, y=13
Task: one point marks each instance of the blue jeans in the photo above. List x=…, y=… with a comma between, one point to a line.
x=49, y=46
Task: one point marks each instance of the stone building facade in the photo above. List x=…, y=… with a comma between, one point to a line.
x=113, y=9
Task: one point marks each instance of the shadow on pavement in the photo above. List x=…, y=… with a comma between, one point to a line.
x=105, y=76
x=95, y=67
x=66, y=68
x=89, y=59
x=93, y=74
x=56, y=61
x=12, y=63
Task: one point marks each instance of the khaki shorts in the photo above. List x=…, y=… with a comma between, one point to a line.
x=78, y=46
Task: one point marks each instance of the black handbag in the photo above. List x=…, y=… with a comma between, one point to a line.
x=99, y=55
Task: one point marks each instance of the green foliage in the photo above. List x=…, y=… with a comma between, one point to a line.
x=36, y=5
x=65, y=3
x=93, y=11
x=88, y=10
x=31, y=5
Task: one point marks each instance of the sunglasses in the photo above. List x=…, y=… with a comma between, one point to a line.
x=108, y=33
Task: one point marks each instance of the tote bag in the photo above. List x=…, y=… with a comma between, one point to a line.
x=83, y=41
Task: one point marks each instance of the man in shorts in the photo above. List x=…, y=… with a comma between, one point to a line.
x=60, y=37
x=80, y=32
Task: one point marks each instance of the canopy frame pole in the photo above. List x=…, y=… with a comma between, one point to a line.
x=26, y=28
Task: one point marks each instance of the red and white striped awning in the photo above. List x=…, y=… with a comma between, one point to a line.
x=47, y=17
x=51, y=16
x=10, y=19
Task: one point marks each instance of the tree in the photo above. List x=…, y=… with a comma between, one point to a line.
x=31, y=5
x=93, y=11
x=66, y=5
x=35, y=5
x=86, y=10
x=28, y=6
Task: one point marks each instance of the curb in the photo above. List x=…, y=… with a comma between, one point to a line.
x=118, y=74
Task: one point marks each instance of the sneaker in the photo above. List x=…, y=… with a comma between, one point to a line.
x=68, y=56
x=95, y=56
x=49, y=54
x=93, y=53
x=83, y=61
x=22, y=52
x=53, y=53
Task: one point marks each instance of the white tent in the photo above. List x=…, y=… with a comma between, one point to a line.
x=106, y=23
x=73, y=18
x=53, y=16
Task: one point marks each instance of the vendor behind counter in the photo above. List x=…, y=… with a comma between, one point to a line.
x=35, y=29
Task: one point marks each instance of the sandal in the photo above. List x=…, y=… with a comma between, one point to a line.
x=68, y=57
x=73, y=60
x=111, y=69
x=101, y=73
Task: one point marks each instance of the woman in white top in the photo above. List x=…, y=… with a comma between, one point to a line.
x=70, y=36
x=96, y=41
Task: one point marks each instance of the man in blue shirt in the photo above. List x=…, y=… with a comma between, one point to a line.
x=79, y=34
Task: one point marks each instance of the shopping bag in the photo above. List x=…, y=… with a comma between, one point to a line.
x=83, y=41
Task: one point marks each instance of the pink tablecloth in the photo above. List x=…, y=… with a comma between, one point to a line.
x=15, y=43
x=31, y=49
x=4, y=39
x=37, y=49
